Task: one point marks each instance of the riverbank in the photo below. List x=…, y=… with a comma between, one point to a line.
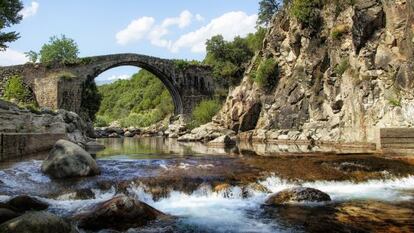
x=194, y=183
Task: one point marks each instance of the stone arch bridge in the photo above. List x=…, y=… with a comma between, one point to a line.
x=62, y=86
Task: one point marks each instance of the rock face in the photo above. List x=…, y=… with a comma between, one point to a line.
x=297, y=195
x=67, y=160
x=340, y=82
x=225, y=141
x=206, y=132
x=17, y=120
x=26, y=203
x=37, y=222
x=119, y=213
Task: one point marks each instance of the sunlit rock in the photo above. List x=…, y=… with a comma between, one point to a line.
x=67, y=159
x=297, y=195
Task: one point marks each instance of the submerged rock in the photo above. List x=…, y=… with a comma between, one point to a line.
x=119, y=213
x=6, y=214
x=37, y=222
x=296, y=195
x=26, y=203
x=67, y=159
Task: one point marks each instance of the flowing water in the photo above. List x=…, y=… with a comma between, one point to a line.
x=223, y=190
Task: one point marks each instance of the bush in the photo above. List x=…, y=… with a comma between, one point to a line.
x=342, y=67
x=184, y=64
x=102, y=121
x=339, y=31
x=16, y=90
x=306, y=11
x=204, y=112
x=266, y=74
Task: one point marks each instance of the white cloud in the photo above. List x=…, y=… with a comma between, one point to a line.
x=229, y=25
x=12, y=57
x=135, y=31
x=199, y=17
x=30, y=10
x=113, y=78
x=117, y=77
x=182, y=21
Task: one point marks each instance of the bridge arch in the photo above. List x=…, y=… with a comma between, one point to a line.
x=164, y=78
x=187, y=85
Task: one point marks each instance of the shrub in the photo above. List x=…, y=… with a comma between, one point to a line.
x=395, y=102
x=204, y=112
x=339, y=31
x=267, y=73
x=184, y=64
x=342, y=67
x=144, y=119
x=16, y=90
x=306, y=11
x=102, y=121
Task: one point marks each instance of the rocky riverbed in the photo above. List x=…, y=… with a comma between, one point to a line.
x=185, y=187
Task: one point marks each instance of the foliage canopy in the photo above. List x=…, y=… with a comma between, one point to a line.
x=9, y=15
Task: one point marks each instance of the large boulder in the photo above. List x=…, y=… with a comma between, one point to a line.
x=67, y=159
x=6, y=214
x=25, y=203
x=222, y=141
x=297, y=195
x=37, y=222
x=118, y=213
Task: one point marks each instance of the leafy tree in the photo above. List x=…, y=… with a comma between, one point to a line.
x=267, y=8
x=32, y=56
x=228, y=59
x=9, y=15
x=63, y=50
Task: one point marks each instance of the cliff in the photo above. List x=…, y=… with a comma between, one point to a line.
x=339, y=80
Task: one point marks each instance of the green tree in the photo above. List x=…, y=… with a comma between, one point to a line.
x=15, y=90
x=267, y=8
x=32, y=56
x=9, y=15
x=63, y=50
x=228, y=59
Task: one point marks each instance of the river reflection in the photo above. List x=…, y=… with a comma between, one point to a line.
x=212, y=189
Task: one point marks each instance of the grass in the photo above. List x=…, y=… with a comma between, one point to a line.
x=342, y=67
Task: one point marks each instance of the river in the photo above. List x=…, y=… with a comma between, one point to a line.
x=223, y=190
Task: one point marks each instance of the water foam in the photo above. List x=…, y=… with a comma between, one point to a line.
x=383, y=190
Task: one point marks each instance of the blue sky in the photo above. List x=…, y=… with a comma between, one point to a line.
x=162, y=28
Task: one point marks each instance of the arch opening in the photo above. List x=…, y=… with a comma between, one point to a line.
x=145, y=93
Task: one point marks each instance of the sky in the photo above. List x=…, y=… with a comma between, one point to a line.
x=175, y=29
